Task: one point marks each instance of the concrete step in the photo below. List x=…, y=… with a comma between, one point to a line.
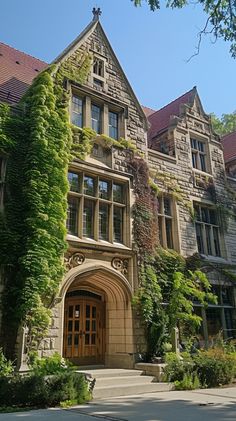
x=103, y=392
x=111, y=372
x=106, y=381
x=111, y=382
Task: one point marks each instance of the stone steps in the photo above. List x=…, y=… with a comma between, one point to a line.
x=122, y=382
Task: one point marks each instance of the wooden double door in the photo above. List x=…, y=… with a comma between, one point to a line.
x=84, y=330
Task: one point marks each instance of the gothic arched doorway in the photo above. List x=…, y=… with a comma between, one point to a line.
x=97, y=318
x=84, y=327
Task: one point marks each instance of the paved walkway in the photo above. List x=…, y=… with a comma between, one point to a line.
x=201, y=405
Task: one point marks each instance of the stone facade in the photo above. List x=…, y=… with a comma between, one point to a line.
x=101, y=271
x=186, y=186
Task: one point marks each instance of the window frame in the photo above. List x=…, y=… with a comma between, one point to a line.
x=208, y=244
x=81, y=97
x=163, y=218
x=105, y=106
x=99, y=107
x=197, y=153
x=98, y=78
x=97, y=201
x=110, y=126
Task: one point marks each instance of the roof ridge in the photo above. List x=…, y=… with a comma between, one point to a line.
x=174, y=100
x=22, y=52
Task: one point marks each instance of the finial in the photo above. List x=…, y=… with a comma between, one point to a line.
x=96, y=13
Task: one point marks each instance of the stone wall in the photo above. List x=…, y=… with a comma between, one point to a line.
x=176, y=176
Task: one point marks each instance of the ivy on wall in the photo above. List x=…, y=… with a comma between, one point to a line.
x=40, y=142
x=33, y=225
x=166, y=281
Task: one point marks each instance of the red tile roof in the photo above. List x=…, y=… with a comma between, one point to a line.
x=229, y=146
x=160, y=119
x=148, y=111
x=17, y=71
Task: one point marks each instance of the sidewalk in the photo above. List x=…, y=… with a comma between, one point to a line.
x=200, y=405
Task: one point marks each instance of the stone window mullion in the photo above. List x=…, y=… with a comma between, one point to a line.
x=87, y=112
x=105, y=120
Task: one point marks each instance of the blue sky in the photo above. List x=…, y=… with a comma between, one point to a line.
x=153, y=47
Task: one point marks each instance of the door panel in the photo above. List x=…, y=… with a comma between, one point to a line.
x=84, y=330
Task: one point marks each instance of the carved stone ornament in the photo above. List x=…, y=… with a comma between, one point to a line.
x=76, y=259
x=120, y=265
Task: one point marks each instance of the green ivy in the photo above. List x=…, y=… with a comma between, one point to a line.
x=33, y=226
x=40, y=142
x=164, y=275
x=6, y=142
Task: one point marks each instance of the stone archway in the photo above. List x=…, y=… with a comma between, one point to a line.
x=116, y=330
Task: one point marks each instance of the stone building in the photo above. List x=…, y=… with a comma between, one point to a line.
x=197, y=202
x=93, y=320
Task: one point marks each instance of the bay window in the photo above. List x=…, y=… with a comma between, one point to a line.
x=96, y=208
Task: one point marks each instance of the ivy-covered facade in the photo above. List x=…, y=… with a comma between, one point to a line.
x=89, y=190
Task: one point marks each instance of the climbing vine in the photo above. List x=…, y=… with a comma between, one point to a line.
x=166, y=282
x=36, y=202
x=41, y=143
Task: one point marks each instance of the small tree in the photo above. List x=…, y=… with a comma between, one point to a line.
x=168, y=290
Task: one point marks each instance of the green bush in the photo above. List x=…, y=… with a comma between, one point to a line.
x=177, y=366
x=210, y=368
x=6, y=367
x=37, y=390
x=190, y=382
x=215, y=367
x=49, y=365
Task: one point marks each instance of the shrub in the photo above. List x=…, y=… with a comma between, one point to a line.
x=176, y=367
x=210, y=368
x=215, y=367
x=36, y=390
x=6, y=367
x=190, y=382
x=49, y=365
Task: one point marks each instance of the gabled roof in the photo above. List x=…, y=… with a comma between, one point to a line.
x=90, y=28
x=17, y=72
x=148, y=111
x=160, y=119
x=229, y=146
